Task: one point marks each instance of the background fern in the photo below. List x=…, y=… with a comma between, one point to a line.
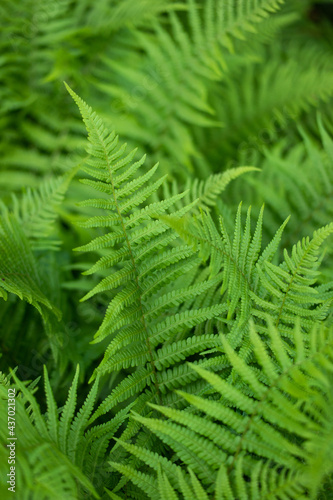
x=175, y=293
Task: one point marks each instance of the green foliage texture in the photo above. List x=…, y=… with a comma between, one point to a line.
x=166, y=294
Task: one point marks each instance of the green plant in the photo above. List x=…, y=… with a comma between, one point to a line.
x=184, y=306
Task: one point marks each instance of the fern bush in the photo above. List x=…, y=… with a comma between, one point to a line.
x=166, y=293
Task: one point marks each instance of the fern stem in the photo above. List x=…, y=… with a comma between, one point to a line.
x=143, y=320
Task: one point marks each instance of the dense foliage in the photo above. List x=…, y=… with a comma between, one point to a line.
x=166, y=294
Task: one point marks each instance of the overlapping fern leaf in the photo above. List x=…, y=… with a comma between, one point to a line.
x=268, y=437
x=25, y=229
x=205, y=193
x=254, y=286
x=36, y=210
x=233, y=258
x=140, y=258
x=19, y=269
x=62, y=456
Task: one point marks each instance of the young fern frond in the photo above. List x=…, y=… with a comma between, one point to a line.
x=133, y=319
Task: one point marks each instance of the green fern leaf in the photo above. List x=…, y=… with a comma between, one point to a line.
x=19, y=271
x=68, y=413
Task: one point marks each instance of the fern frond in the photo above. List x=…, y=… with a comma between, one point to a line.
x=145, y=482
x=307, y=197
x=36, y=210
x=202, y=456
x=38, y=456
x=139, y=283
x=19, y=270
x=68, y=413
x=290, y=285
x=66, y=443
x=269, y=443
x=235, y=259
x=253, y=285
x=205, y=193
x=269, y=97
x=222, y=21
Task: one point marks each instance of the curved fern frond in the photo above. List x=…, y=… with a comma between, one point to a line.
x=235, y=258
x=25, y=229
x=223, y=21
x=138, y=279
